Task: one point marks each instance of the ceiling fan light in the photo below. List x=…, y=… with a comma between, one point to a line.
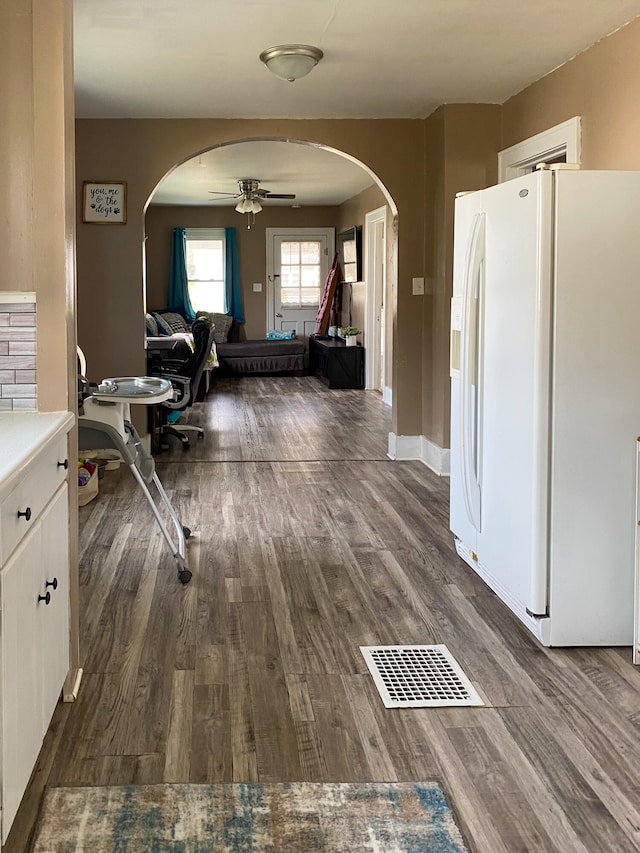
x=291, y=61
x=248, y=205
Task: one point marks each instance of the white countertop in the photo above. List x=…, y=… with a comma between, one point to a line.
x=22, y=434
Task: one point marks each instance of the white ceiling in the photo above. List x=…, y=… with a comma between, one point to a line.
x=399, y=59
x=315, y=176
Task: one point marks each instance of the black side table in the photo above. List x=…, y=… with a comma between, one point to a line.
x=336, y=364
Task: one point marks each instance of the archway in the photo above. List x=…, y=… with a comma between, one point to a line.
x=199, y=163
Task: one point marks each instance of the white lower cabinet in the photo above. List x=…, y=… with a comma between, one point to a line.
x=53, y=619
x=20, y=718
x=35, y=647
x=34, y=627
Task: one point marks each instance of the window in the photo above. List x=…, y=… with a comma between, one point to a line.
x=205, y=255
x=557, y=144
x=300, y=273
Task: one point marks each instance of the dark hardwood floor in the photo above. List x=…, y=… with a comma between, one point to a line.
x=308, y=542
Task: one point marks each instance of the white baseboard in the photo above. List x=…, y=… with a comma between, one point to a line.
x=435, y=457
x=387, y=396
x=72, y=694
x=404, y=446
x=419, y=447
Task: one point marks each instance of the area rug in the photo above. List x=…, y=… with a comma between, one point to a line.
x=292, y=817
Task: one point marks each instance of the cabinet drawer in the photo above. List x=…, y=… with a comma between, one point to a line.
x=41, y=479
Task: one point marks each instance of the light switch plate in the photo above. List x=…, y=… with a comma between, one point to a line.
x=257, y=287
x=418, y=286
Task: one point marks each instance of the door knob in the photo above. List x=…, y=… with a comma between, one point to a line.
x=278, y=314
x=26, y=514
x=64, y=464
x=46, y=598
x=53, y=584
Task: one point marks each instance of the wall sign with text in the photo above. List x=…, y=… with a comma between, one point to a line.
x=105, y=202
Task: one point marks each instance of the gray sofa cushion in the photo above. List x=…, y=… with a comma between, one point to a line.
x=261, y=356
x=222, y=325
x=152, y=325
x=169, y=322
x=244, y=349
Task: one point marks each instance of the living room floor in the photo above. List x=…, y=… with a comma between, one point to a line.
x=308, y=543
x=286, y=419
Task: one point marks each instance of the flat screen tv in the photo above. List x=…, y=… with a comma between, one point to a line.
x=350, y=254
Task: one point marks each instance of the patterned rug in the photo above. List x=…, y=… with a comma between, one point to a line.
x=293, y=817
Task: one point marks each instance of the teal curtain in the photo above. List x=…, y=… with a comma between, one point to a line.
x=178, y=283
x=232, y=294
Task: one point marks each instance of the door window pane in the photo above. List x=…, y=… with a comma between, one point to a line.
x=290, y=253
x=290, y=276
x=310, y=253
x=300, y=273
x=309, y=296
x=290, y=296
x=310, y=276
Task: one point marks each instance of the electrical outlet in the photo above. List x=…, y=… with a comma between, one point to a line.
x=418, y=286
x=257, y=287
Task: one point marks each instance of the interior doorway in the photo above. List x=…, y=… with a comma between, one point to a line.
x=203, y=188
x=375, y=224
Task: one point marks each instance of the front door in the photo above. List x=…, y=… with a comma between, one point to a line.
x=298, y=261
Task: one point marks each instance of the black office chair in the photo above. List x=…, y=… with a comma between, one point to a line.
x=185, y=377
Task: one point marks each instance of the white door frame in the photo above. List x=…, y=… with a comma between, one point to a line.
x=519, y=159
x=374, y=299
x=271, y=234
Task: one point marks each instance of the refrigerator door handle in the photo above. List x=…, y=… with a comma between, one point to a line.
x=468, y=372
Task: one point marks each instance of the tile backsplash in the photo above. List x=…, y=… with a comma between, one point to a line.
x=18, y=388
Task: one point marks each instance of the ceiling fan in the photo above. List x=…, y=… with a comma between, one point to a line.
x=249, y=188
x=250, y=194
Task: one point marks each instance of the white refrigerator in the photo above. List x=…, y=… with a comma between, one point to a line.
x=545, y=398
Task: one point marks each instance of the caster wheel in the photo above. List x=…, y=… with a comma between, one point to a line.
x=186, y=446
x=184, y=576
x=187, y=532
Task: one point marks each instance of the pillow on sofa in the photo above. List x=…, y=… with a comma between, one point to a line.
x=151, y=325
x=169, y=322
x=222, y=324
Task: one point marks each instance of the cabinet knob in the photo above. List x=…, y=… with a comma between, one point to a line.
x=53, y=584
x=64, y=464
x=26, y=514
x=46, y=598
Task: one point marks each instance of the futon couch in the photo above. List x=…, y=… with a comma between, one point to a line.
x=236, y=357
x=249, y=357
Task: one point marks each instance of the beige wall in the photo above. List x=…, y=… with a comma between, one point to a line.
x=462, y=141
x=36, y=169
x=141, y=152
x=601, y=85
x=38, y=212
x=252, y=257
x=421, y=163
x=351, y=213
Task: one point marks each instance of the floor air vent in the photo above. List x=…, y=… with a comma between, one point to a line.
x=419, y=677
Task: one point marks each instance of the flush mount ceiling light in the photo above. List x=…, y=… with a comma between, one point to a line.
x=291, y=61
